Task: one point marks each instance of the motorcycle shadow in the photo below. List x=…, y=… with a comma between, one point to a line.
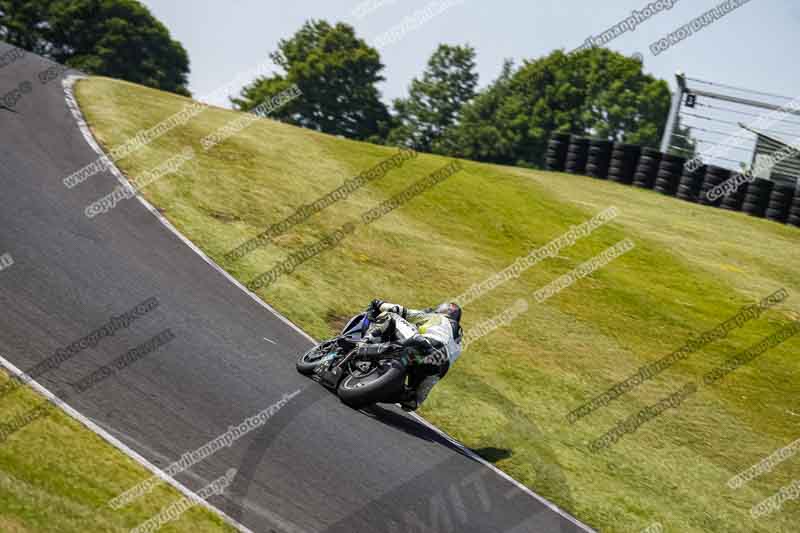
x=398, y=420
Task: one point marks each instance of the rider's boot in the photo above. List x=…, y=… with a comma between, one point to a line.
x=408, y=400
x=411, y=398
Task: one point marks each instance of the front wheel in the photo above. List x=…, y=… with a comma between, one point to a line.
x=309, y=361
x=375, y=383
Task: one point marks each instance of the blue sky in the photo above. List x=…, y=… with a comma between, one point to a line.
x=755, y=46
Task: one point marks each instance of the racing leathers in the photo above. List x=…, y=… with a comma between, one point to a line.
x=432, y=342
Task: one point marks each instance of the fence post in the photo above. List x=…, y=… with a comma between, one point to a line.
x=677, y=98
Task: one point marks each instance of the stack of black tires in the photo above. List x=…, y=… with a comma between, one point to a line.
x=669, y=174
x=714, y=176
x=733, y=201
x=794, y=209
x=577, y=155
x=780, y=200
x=756, y=199
x=690, y=183
x=556, y=156
x=647, y=168
x=624, y=158
x=599, y=158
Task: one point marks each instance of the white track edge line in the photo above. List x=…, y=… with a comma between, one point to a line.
x=61, y=404
x=72, y=103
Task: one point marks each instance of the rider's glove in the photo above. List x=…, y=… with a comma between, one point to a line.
x=374, y=308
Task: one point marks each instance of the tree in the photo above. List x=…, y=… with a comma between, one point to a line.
x=116, y=38
x=593, y=92
x=481, y=133
x=435, y=101
x=337, y=74
x=621, y=102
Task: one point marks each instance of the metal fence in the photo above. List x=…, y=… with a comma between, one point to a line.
x=733, y=127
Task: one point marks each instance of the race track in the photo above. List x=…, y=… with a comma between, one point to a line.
x=315, y=466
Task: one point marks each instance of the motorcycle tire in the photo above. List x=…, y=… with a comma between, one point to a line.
x=382, y=384
x=309, y=361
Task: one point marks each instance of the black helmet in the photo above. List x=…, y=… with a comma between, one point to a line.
x=450, y=310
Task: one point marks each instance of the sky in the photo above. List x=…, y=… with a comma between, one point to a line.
x=754, y=46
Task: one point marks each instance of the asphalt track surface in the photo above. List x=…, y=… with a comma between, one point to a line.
x=316, y=466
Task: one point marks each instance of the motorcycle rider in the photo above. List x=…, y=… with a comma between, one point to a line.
x=431, y=338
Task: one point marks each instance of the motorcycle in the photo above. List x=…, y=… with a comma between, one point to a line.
x=359, y=381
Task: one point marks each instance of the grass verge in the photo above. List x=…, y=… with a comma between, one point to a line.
x=56, y=475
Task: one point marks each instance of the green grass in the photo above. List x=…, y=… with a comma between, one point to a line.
x=692, y=268
x=56, y=475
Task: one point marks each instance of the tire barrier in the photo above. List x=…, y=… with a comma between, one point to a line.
x=624, y=158
x=690, y=183
x=780, y=201
x=713, y=177
x=756, y=198
x=599, y=158
x=794, y=210
x=556, y=155
x=669, y=174
x=647, y=168
x=734, y=200
x=577, y=155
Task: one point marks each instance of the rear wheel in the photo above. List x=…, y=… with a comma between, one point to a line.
x=369, y=383
x=309, y=361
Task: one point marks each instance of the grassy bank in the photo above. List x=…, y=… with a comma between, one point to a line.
x=66, y=484
x=692, y=268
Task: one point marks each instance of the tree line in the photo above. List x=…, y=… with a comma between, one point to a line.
x=594, y=92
